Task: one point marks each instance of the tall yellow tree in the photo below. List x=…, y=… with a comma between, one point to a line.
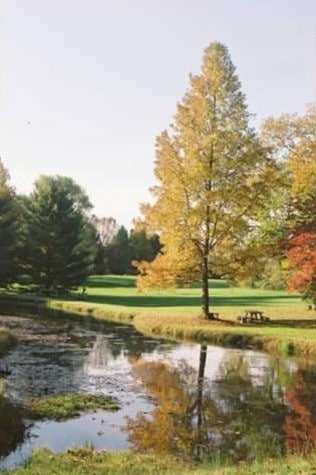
x=212, y=176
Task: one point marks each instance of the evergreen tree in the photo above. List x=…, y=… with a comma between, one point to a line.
x=8, y=229
x=118, y=253
x=60, y=239
x=144, y=248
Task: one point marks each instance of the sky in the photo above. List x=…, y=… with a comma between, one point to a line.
x=87, y=85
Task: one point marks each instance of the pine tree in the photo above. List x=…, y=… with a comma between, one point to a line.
x=118, y=253
x=60, y=241
x=8, y=229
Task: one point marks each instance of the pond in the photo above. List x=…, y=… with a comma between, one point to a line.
x=192, y=400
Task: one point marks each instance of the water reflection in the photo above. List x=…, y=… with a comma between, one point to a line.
x=190, y=400
x=58, y=355
x=13, y=428
x=252, y=406
x=300, y=424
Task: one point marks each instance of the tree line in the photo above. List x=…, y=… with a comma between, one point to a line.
x=228, y=201
x=51, y=239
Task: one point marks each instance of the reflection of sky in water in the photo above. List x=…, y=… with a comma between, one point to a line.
x=258, y=363
x=99, y=429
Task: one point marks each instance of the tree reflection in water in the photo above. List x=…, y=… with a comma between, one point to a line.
x=172, y=426
x=300, y=424
x=12, y=428
x=247, y=412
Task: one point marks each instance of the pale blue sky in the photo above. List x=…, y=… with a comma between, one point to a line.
x=87, y=85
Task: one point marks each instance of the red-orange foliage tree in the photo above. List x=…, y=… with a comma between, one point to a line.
x=302, y=263
x=292, y=140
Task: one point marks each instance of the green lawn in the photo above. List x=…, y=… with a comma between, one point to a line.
x=118, y=293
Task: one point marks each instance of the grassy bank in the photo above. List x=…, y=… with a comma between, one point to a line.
x=85, y=461
x=291, y=330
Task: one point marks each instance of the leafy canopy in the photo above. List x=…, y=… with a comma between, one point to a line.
x=292, y=140
x=212, y=179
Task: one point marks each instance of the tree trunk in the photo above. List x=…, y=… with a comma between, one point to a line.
x=205, y=290
x=203, y=354
x=200, y=446
x=205, y=264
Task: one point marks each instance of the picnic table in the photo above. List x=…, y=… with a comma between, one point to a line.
x=253, y=316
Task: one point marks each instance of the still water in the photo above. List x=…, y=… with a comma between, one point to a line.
x=188, y=399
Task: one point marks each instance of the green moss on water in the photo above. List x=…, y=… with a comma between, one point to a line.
x=66, y=406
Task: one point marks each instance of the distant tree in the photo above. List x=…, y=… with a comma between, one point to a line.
x=60, y=238
x=302, y=164
x=274, y=275
x=144, y=247
x=213, y=178
x=106, y=227
x=118, y=253
x=8, y=229
x=292, y=140
x=100, y=265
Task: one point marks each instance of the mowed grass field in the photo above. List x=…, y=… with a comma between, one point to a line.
x=120, y=293
x=177, y=313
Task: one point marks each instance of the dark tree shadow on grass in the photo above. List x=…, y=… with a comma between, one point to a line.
x=183, y=301
x=106, y=282
x=112, y=281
